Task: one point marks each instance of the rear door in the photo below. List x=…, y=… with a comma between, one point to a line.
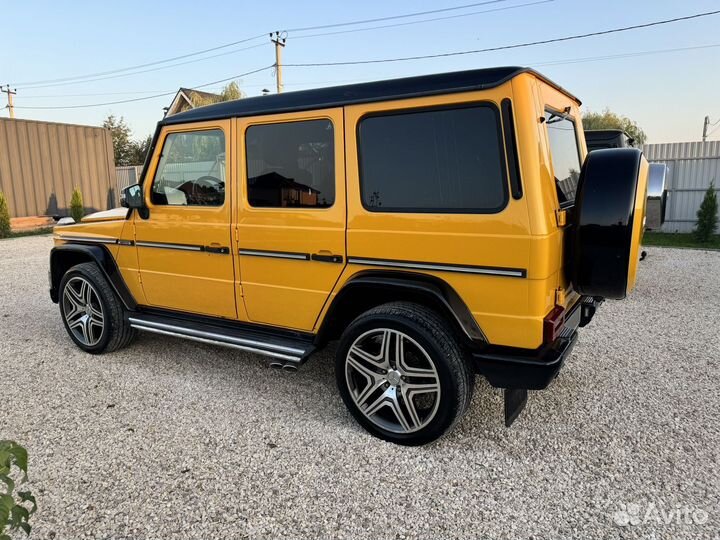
x=291, y=215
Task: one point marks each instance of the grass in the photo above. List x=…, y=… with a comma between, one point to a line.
x=678, y=240
x=31, y=232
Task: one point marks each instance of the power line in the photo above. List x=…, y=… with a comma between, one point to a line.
x=395, y=25
x=149, y=97
x=506, y=47
x=130, y=68
x=160, y=68
x=239, y=42
x=393, y=17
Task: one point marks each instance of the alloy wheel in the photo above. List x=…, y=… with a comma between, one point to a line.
x=83, y=311
x=392, y=380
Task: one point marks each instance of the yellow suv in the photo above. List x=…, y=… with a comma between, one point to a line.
x=439, y=226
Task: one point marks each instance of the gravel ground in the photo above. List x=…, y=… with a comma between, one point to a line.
x=172, y=439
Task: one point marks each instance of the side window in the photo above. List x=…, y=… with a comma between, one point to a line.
x=191, y=171
x=565, y=155
x=438, y=160
x=291, y=164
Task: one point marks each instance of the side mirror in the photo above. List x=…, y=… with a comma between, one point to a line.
x=131, y=197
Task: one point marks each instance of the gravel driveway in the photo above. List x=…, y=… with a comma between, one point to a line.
x=173, y=439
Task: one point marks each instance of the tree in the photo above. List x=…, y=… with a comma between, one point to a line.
x=76, y=205
x=231, y=91
x=140, y=150
x=610, y=120
x=122, y=145
x=4, y=217
x=707, y=219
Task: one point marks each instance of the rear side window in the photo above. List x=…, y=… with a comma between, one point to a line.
x=565, y=155
x=191, y=171
x=291, y=165
x=438, y=160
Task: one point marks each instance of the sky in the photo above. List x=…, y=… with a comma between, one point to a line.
x=667, y=93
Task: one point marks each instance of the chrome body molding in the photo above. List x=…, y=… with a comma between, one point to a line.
x=165, y=245
x=87, y=239
x=440, y=267
x=275, y=254
x=289, y=354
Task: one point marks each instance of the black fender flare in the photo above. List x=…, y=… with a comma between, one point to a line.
x=407, y=285
x=63, y=257
x=608, y=222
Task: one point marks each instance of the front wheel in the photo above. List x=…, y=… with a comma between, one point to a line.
x=402, y=373
x=91, y=311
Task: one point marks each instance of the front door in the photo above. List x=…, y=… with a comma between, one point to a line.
x=291, y=217
x=184, y=249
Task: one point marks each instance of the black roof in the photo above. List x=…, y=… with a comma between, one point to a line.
x=338, y=96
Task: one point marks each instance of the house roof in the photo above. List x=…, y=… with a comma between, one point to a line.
x=185, y=95
x=338, y=96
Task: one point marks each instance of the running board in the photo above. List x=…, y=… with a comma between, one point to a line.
x=288, y=353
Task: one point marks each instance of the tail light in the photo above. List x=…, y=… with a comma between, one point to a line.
x=553, y=324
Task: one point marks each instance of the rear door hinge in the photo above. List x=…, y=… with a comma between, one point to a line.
x=561, y=217
x=560, y=297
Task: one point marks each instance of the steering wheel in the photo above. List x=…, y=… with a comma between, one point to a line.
x=199, y=194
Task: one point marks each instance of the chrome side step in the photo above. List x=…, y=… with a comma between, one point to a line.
x=287, y=354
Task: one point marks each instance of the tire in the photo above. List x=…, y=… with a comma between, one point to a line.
x=101, y=327
x=608, y=224
x=429, y=370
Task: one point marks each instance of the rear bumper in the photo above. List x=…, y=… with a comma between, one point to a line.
x=505, y=367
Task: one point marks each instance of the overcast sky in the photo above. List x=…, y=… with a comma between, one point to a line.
x=667, y=93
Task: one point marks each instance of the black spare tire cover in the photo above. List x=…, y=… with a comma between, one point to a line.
x=609, y=215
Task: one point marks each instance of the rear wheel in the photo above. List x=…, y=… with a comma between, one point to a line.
x=402, y=374
x=91, y=312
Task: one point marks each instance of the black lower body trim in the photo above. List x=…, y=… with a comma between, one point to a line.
x=531, y=371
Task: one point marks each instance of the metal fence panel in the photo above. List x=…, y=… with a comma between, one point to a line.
x=127, y=176
x=42, y=162
x=692, y=167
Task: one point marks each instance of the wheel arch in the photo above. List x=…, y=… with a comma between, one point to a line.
x=369, y=289
x=64, y=257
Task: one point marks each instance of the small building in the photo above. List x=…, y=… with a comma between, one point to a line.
x=187, y=98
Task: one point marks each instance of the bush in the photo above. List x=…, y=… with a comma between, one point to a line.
x=707, y=216
x=14, y=513
x=4, y=217
x=76, y=205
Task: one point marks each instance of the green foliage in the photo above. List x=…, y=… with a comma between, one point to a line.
x=678, y=240
x=14, y=511
x=4, y=217
x=140, y=150
x=122, y=145
x=231, y=91
x=610, y=120
x=76, y=205
x=707, y=216
x=125, y=150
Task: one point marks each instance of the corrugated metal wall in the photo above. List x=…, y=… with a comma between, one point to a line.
x=127, y=176
x=42, y=162
x=692, y=166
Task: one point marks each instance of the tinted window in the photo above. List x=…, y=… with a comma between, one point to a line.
x=291, y=164
x=565, y=155
x=191, y=171
x=447, y=160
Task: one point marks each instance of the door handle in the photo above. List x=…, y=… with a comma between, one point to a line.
x=217, y=249
x=329, y=257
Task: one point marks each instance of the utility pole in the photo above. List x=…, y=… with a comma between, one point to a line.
x=279, y=39
x=706, y=124
x=10, y=94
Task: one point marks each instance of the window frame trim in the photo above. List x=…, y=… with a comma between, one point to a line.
x=566, y=116
x=434, y=108
x=188, y=129
x=247, y=162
